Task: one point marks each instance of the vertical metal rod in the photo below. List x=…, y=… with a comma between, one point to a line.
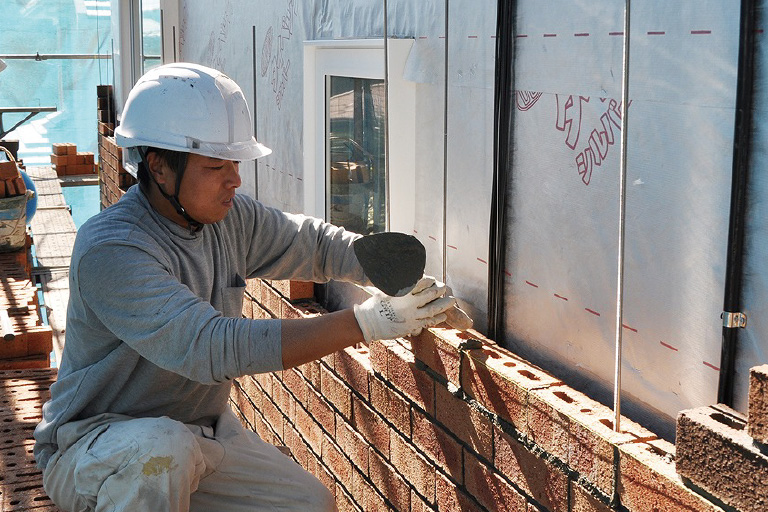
x=387, y=209
x=622, y=213
x=445, y=151
x=255, y=113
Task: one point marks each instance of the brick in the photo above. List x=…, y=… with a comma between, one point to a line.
x=378, y=355
x=414, y=383
x=534, y=476
x=352, y=444
x=253, y=288
x=501, y=382
x=391, y=405
x=344, y=501
x=321, y=411
x=337, y=392
x=439, y=445
x=297, y=385
x=299, y=449
x=440, y=349
x=583, y=501
x=337, y=462
x=273, y=417
x=310, y=430
x=449, y=496
x=271, y=300
x=371, y=426
x=366, y=494
x=284, y=401
x=758, y=403
x=715, y=453
x=417, y=470
x=489, y=488
x=247, y=308
x=391, y=485
x=468, y=424
x=353, y=365
x=547, y=424
x=648, y=479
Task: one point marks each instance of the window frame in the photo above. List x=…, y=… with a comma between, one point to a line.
x=362, y=58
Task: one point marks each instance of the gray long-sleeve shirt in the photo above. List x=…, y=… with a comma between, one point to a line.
x=154, y=323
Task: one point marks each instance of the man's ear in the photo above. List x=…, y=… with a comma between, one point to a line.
x=159, y=169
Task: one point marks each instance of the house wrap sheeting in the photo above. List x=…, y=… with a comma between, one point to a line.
x=563, y=204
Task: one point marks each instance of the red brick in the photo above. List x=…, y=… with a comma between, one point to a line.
x=501, y=382
x=247, y=308
x=259, y=312
x=310, y=430
x=416, y=469
x=419, y=504
x=468, y=424
x=296, y=384
x=371, y=426
x=758, y=403
x=253, y=288
x=648, y=480
x=337, y=393
x=317, y=468
x=582, y=501
x=533, y=475
x=489, y=488
x=414, y=383
x=353, y=445
x=284, y=401
x=321, y=410
x=450, y=497
x=716, y=454
x=391, y=405
x=271, y=300
x=295, y=290
x=273, y=417
x=390, y=483
x=299, y=449
x=251, y=389
x=439, y=348
x=438, y=444
x=311, y=372
x=366, y=494
x=344, y=501
x=337, y=462
x=289, y=311
x=546, y=424
x=353, y=365
x=378, y=355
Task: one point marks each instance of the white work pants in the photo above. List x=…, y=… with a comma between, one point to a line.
x=113, y=463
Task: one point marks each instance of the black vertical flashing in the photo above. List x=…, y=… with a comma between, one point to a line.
x=503, y=114
x=740, y=172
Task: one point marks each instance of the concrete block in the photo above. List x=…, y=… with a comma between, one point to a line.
x=716, y=454
x=758, y=403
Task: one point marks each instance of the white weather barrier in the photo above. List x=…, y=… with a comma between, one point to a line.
x=564, y=200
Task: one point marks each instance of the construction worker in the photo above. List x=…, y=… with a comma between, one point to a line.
x=139, y=419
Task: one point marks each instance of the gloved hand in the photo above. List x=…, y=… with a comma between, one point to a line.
x=382, y=317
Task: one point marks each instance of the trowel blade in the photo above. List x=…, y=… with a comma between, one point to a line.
x=394, y=262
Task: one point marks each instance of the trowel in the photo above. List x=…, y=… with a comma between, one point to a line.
x=394, y=263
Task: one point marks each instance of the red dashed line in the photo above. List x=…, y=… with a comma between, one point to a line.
x=471, y=37
x=615, y=33
x=668, y=346
x=592, y=311
x=701, y=32
x=441, y=37
x=482, y=260
x=521, y=35
x=561, y=297
x=508, y=273
x=422, y=37
x=656, y=33
x=453, y=247
x=432, y=238
x=711, y=366
x=531, y=284
x=581, y=34
x=628, y=327
x=300, y=179
x=758, y=31
x=550, y=35
x=493, y=37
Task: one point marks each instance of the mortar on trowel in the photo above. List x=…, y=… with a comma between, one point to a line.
x=394, y=263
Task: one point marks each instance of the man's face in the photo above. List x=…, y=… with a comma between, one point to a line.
x=208, y=187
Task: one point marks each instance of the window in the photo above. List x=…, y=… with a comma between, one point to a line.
x=350, y=122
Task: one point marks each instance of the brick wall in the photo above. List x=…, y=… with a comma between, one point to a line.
x=451, y=421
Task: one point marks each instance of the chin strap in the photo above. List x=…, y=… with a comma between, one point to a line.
x=194, y=226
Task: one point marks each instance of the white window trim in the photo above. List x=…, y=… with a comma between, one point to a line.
x=362, y=58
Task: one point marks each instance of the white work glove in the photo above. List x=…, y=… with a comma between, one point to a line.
x=382, y=317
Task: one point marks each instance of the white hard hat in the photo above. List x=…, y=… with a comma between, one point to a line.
x=189, y=108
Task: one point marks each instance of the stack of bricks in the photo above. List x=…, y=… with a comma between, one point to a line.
x=26, y=342
x=725, y=455
x=451, y=421
x=114, y=180
x=105, y=109
x=11, y=182
x=68, y=161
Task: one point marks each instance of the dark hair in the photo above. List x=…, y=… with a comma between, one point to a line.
x=176, y=160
